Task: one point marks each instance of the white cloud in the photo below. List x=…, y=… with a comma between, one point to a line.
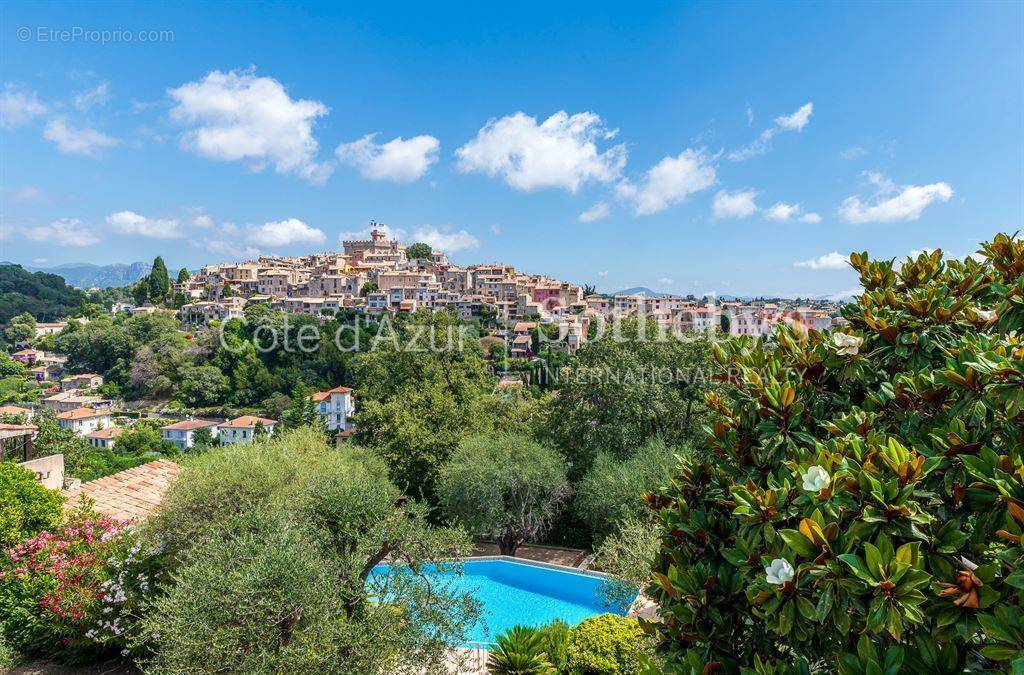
x=561, y=152
x=782, y=212
x=602, y=273
x=495, y=228
x=18, y=107
x=129, y=222
x=795, y=121
x=285, y=233
x=907, y=202
x=445, y=239
x=750, y=115
x=63, y=232
x=29, y=193
x=226, y=248
x=364, y=234
x=845, y=295
x=914, y=253
x=596, y=212
x=829, y=261
x=237, y=116
x=664, y=281
x=98, y=95
x=669, y=181
x=852, y=153
x=79, y=141
x=199, y=218
x=739, y=204
x=399, y=160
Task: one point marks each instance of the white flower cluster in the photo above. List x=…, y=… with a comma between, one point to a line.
x=119, y=591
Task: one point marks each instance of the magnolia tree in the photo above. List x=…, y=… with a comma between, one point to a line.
x=506, y=487
x=860, y=500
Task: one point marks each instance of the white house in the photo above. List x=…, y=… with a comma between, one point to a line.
x=336, y=407
x=243, y=429
x=104, y=438
x=182, y=434
x=83, y=421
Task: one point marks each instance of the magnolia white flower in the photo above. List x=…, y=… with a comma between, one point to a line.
x=816, y=479
x=779, y=571
x=848, y=344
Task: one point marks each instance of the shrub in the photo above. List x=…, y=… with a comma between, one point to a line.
x=863, y=497
x=520, y=651
x=73, y=593
x=610, y=492
x=26, y=507
x=607, y=643
x=556, y=644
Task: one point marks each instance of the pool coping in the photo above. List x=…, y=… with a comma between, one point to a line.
x=538, y=563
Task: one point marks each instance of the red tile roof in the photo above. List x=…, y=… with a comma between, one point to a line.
x=83, y=414
x=186, y=425
x=109, y=432
x=133, y=493
x=247, y=422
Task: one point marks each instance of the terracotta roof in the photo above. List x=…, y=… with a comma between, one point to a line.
x=320, y=396
x=339, y=390
x=26, y=352
x=186, y=425
x=133, y=493
x=109, y=432
x=18, y=427
x=83, y=414
x=247, y=422
x=13, y=410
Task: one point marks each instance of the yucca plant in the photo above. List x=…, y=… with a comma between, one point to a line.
x=859, y=503
x=520, y=651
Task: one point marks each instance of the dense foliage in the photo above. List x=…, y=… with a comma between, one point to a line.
x=603, y=644
x=43, y=295
x=629, y=385
x=272, y=546
x=861, y=502
x=26, y=507
x=508, y=488
x=610, y=493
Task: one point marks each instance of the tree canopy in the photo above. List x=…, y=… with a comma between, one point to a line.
x=506, y=487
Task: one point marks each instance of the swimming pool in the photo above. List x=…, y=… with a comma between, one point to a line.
x=515, y=592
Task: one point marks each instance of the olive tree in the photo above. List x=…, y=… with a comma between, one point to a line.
x=345, y=517
x=508, y=487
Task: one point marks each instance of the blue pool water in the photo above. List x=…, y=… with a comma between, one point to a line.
x=520, y=593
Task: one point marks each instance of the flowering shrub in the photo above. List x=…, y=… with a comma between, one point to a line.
x=860, y=502
x=72, y=593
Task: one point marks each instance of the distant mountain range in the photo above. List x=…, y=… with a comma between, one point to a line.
x=641, y=290
x=87, y=275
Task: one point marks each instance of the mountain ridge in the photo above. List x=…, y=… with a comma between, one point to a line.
x=88, y=275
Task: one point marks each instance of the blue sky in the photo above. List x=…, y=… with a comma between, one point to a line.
x=725, y=147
